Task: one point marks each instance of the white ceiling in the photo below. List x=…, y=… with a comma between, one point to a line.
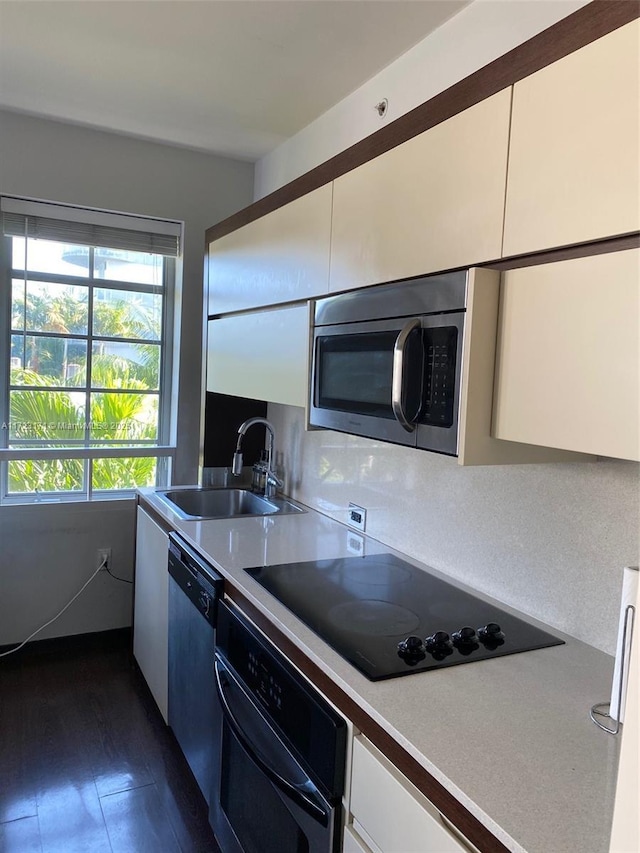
x=234, y=77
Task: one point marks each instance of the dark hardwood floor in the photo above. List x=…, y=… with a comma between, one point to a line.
x=87, y=764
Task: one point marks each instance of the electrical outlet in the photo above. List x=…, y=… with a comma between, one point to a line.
x=357, y=517
x=103, y=555
x=355, y=544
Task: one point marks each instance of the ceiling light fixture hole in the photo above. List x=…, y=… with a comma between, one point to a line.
x=382, y=107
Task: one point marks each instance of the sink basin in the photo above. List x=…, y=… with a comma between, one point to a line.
x=223, y=503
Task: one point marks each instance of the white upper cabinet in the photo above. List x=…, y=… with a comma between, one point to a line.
x=433, y=203
x=574, y=155
x=281, y=257
x=568, y=372
x=262, y=355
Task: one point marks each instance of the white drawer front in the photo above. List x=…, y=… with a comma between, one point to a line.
x=392, y=812
x=352, y=843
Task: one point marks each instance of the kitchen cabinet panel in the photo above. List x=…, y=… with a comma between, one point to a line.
x=352, y=843
x=281, y=257
x=625, y=833
x=477, y=442
x=568, y=355
x=262, y=355
x=151, y=607
x=573, y=158
x=393, y=815
x=433, y=203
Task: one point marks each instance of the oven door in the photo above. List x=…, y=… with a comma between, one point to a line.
x=266, y=802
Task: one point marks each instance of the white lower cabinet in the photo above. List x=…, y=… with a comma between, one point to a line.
x=389, y=814
x=352, y=843
x=151, y=607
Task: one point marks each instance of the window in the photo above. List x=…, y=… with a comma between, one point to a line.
x=86, y=319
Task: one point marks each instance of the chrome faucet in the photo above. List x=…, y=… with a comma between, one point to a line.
x=272, y=482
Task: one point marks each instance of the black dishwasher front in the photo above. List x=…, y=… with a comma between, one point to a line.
x=194, y=589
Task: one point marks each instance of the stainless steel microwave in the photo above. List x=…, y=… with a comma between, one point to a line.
x=387, y=360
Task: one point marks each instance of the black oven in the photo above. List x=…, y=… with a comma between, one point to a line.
x=280, y=760
x=387, y=362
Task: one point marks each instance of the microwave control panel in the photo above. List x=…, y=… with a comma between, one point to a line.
x=440, y=345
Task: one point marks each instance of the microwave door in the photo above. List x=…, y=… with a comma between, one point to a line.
x=437, y=428
x=353, y=387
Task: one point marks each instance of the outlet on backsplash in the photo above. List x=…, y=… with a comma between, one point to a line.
x=355, y=544
x=357, y=517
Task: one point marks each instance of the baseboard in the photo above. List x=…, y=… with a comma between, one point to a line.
x=114, y=639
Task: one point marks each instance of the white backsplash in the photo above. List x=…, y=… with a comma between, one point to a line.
x=550, y=540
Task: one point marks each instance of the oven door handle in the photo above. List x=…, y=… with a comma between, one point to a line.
x=397, y=377
x=300, y=795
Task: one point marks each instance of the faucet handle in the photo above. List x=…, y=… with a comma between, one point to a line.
x=272, y=482
x=272, y=477
x=236, y=467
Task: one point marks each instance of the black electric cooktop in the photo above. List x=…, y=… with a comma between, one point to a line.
x=390, y=618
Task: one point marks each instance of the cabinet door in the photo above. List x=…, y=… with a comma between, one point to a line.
x=281, y=257
x=625, y=833
x=390, y=812
x=151, y=607
x=567, y=372
x=262, y=355
x=433, y=203
x=573, y=157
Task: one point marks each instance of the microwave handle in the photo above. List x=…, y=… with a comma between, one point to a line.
x=398, y=371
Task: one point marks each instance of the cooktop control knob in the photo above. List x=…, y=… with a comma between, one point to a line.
x=439, y=640
x=411, y=650
x=490, y=635
x=491, y=629
x=411, y=646
x=465, y=636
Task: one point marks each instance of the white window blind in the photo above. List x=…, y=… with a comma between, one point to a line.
x=43, y=221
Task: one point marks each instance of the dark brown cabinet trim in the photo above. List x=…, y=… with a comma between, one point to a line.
x=587, y=24
x=567, y=253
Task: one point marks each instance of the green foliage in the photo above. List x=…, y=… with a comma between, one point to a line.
x=124, y=473
x=39, y=410
x=54, y=475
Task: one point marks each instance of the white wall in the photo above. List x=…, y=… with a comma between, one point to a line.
x=470, y=40
x=47, y=551
x=550, y=540
x=65, y=163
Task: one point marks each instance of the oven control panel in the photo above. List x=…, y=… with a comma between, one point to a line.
x=265, y=683
x=292, y=707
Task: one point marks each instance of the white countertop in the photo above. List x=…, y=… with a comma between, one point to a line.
x=510, y=738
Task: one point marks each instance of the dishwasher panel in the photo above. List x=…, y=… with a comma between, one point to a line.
x=193, y=710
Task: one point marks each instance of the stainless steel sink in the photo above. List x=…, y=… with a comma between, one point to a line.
x=223, y=503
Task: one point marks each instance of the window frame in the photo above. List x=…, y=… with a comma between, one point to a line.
x=162, y=448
